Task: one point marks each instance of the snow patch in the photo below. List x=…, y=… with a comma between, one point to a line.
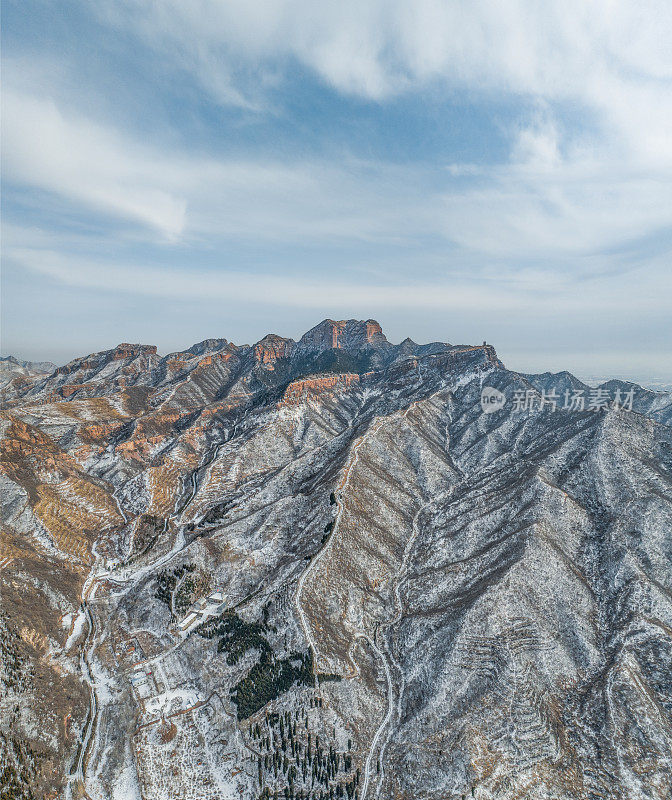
x=76, y=631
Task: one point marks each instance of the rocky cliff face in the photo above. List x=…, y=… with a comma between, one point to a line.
x=421, y=595
x=271, y=348
x=351, y=335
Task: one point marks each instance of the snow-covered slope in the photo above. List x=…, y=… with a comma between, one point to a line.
x=419, y=599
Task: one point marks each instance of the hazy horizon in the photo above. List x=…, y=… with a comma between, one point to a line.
x=530, y=362
x=175, y=172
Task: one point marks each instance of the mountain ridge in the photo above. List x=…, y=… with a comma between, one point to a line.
x=452, y=599
x=350, y=336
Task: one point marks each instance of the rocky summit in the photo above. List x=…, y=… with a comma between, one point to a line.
x=332, y=568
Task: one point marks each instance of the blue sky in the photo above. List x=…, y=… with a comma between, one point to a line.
x=459, y=171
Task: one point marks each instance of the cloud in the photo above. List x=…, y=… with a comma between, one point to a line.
x=547, y=294
x=590, y=166
x=552, y=212
x=610, y=56
x=185, y=198
x=594, y=178
x=537, y=144
x=86, y=163
x=544, y=204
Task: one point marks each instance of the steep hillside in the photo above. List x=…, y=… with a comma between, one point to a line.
x=328, y=569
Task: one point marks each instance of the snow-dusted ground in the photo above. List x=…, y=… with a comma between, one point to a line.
x=492, y=590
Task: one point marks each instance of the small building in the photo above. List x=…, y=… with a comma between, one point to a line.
x=188, y=621
x=216, y=604
x=202, y=609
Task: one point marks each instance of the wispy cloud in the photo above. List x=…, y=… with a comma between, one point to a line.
x=569, y=207
x=86, y=163
x=542, y=204
x=611, y=57
x=547, y=294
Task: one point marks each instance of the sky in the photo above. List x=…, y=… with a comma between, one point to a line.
x=494, y=170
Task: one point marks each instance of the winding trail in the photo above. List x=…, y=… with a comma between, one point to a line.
x=316, y=560
x=401, y=576
x=352, y=461
x=386, y=719
x=78, y=773
x=388, y=661
x=93, y=704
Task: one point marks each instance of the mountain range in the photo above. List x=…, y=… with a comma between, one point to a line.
x=332, y=568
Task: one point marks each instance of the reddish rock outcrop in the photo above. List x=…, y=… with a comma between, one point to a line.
x=351, y=334
x=126, y=350
x=299, y=390
x=209, y=360
x=271, y=348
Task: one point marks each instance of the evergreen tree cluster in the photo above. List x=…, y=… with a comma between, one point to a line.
x=327, y=531
x=166, y=582
x=292, y=764
x=188, y=591
x=270, y=676
x=268, y=679
x=236, y=636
